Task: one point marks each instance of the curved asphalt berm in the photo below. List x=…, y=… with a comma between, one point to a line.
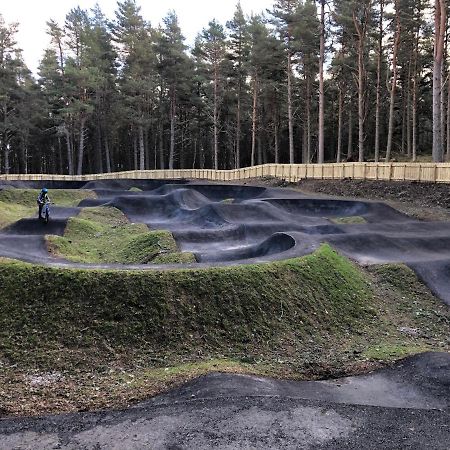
x=232, y=224
x=404, y=407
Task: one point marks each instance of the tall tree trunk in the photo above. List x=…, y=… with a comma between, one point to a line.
x=99, y=149
x=4, y=143
x=339, y=138
x=276, y=142
x=7, y=151
x=443, y=102
x=238, y=126
x=141, y=148
x=69, y=150
x=172, y=127
x=26, y=158
x=361, y=30
x=378, y=100
x=403, y=122
x=161, y=129
x=360, y=107
x=194, y=158
x=254, y=118
x=308, y=118
x=60, y=156
x=161, y=146
x=147, y=149
x=408, y=113
x=81, y=146
x=289, y=105
x=107, y=155
x=394, y=81
x=135, y=151
x=216, y=116
x=350, y=132
x=24, y=155
x=448, y=121
x=53, y=159
x=260, y=152
x=414, y=95
x=321, y=153
x=440, y=25
x=305, y=143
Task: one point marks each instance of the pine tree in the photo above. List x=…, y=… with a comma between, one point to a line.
x=211, y=48
x=101, y=58
x=173, y=66
x=396, y=45
x=138, y=77
x=13, y=78
x=284, y=13
x=307, y=32
x=239, y=44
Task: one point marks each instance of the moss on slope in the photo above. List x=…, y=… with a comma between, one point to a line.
x=49, y=310
x=104, y=235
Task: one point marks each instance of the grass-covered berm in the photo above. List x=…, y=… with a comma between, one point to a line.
x=79, y=339
x=105, y=235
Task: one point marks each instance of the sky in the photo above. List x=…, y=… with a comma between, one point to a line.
x=193, y=15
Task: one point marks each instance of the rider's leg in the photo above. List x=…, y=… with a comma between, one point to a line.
x=40, y=210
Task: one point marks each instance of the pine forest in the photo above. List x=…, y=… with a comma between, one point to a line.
x=303, y=82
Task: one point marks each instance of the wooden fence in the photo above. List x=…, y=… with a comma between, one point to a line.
x=421, y=172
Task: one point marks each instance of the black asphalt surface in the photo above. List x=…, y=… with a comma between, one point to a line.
x=404, y=407
x=232, y=224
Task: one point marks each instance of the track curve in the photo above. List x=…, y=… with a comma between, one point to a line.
x=234, y=224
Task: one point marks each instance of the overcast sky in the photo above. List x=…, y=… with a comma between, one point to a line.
x=193, y=15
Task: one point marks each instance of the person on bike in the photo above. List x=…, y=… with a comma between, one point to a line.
x=42, y=199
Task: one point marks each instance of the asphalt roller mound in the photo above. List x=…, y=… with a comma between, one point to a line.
x=405, y=406
x=233, y=224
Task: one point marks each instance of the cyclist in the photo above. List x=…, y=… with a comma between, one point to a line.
x=42, y=199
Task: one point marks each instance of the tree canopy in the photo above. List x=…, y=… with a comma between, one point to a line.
x=305, y=81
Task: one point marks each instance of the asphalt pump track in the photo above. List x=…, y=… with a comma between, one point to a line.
x=232, y=224
x=406, y=406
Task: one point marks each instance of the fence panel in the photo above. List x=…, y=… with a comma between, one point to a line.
x=424, y=172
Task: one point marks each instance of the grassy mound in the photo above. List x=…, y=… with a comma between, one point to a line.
x=105, y=337
x=16, y=204
x=160, y=311
x=104, y=235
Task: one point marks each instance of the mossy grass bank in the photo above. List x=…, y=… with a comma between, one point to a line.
x=104, y=338
x=105, y=235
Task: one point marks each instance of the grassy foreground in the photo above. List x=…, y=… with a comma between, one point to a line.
x=104, y=235
x=80, y=339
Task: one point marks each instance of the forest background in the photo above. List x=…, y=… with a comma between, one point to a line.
x=304, y=81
